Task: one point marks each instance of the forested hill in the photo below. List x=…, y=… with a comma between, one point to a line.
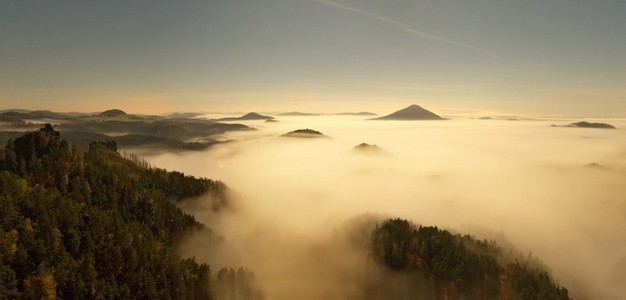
x=93, y=225
x=440, y=265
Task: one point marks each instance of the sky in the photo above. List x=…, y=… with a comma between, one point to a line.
x=542, y=58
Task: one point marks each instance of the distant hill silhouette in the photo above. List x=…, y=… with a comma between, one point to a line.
x=35, y=115
x=298, y=114
x=413, y=112
x=304, y=133
x=365, y=148
x=585, y=124
x=112, y=113
x=184, y=115
x=247, y=117
x=14, y=110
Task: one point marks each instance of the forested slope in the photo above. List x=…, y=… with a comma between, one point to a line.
x=442, y=265
x=93, y=225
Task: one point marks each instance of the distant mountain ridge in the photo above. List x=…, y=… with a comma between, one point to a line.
x=409, y=113
x=128, y=130
x=35, y=115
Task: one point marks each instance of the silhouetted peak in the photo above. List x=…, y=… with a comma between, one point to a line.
x=411, y=112
x=255, y=116
x=251, y=115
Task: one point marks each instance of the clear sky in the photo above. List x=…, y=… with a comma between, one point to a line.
x=551, y=57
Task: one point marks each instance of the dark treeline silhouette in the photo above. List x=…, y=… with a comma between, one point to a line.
x=93, y=225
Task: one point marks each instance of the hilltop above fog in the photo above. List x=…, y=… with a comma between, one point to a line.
x=412, y=112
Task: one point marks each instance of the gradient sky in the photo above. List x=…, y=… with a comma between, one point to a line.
x=548, y=58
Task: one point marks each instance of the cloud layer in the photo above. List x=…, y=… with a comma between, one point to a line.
x=554, y=192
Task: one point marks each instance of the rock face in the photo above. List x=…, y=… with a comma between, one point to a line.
x=585, y=124
x=413, y=112
x=304, y=133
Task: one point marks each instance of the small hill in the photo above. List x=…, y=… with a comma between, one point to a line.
x=413, y=112
x=304, y=133
x=254, y=116
x=113, y=113
x=365, y=148
x=585, y=124
x=247, y=117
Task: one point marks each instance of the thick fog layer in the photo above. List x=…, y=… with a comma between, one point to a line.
x=559, y=193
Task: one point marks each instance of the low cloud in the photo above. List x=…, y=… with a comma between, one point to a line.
x=525, y=183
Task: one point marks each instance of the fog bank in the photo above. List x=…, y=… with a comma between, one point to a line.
x=555, y=192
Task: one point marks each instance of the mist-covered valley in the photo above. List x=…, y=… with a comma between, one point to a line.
x=549, y=192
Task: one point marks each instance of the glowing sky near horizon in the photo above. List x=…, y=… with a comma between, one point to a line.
x=557, y=57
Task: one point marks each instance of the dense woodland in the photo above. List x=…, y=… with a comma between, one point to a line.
x=90, y=225
x=442, y=265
